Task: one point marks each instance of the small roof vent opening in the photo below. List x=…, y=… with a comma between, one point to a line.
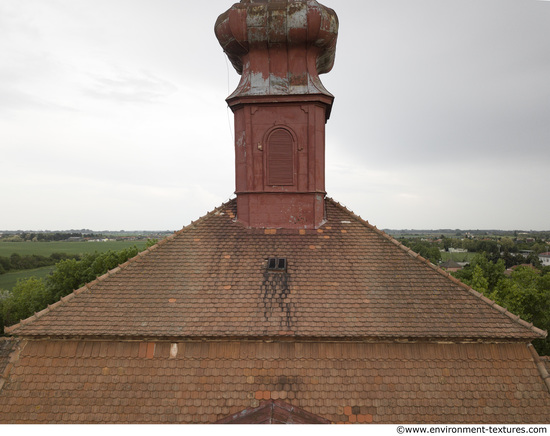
x=276, y=264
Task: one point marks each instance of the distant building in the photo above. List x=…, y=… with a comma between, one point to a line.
x=526, y=253
x=510, y=270
x=544, y=258
x=450, y=266
x=457, y=250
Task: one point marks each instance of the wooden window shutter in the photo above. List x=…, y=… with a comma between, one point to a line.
x=280, y=158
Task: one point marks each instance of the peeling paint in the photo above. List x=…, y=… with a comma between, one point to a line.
x=248, y=30
x=278, y=85
x=240, y=140
x=259, y=84
x=297, y=16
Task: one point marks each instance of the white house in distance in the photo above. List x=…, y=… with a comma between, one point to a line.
x=545, y=258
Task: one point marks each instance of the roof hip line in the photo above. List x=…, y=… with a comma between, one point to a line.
x=88, y=286
x=540, y=366
x=488, y=301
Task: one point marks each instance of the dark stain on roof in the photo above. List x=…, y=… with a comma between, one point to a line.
x=344, y=280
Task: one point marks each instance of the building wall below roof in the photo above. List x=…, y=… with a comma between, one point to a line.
x=201, y=382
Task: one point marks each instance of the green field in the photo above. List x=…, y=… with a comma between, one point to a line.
x=8, y=280
x=47, y=248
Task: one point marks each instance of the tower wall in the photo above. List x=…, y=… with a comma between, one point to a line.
x=266, y=198
x=280, y=108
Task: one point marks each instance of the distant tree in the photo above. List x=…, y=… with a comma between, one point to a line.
x=151, y=242
x=3, y=296
x=533, y=259
x=26, y=298
x=511, y=259
x=16, y=261
x=68, y=274
x=507, y=244
x=32, y=295
x=525, y=293
x=5, y=264
x=492, y=271
x=56, y=257
x=71, y=274
x=424, y=248
x=478, y=281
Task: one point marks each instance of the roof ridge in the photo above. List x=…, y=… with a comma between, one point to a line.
x=539, y=332
x=88, y=286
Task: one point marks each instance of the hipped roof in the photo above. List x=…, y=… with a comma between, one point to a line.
x=346, y=280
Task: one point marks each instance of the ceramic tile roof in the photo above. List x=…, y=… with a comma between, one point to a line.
x=8, y=355
x=6, y=346
x=273, y=412
x=450, y=264
x=345, y=280
x=202, y=382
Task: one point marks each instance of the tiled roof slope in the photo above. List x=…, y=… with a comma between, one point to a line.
x=345, y=280
x=8, y=356
x=133, y=382
x=5, y=351
x=273, y=412
x=7, y=346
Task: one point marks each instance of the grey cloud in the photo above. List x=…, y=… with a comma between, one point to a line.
x=444, y=80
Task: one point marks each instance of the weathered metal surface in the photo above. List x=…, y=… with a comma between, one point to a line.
x=279, y=47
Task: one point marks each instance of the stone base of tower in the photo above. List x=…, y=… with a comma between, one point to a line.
x=281, y=210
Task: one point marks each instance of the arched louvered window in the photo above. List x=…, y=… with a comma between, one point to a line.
x=280, y=158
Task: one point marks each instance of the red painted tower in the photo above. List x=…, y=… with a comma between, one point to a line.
x=281, y=107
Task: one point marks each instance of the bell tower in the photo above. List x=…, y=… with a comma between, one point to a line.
x=280, y=106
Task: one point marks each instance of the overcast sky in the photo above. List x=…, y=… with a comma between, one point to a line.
x=113, y=113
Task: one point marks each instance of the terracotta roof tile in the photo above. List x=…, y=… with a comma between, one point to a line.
x=210, y=280
x=9, y=355
x=143, y=361
x=367, y=383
